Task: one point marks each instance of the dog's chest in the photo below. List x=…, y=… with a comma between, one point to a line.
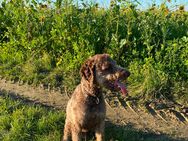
x=94, y=115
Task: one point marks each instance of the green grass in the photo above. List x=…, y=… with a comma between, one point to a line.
x=20, y=121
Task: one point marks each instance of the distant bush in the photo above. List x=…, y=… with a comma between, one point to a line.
x=47, y=43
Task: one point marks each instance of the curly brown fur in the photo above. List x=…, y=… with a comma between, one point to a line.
x=86, y=109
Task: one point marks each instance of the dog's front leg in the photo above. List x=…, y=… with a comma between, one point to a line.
x=99, y=133
x=76, y=134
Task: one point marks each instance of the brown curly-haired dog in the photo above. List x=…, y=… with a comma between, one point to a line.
x=86, y=109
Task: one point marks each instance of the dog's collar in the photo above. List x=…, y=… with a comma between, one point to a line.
x=94, y=100
x=93, y=96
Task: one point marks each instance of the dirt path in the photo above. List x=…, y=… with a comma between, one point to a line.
x=160, y=122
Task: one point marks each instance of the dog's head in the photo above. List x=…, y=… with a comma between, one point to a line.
x=103, y=71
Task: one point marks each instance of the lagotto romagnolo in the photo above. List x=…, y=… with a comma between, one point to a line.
x=86, y=108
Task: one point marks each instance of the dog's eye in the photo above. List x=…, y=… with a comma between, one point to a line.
x=107, y=66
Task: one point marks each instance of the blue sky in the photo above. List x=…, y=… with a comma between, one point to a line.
x=148, y=3
x=144, y=3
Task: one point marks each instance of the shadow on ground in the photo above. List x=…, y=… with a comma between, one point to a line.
x=15, y=96
x=113, y=132
x=129, y=133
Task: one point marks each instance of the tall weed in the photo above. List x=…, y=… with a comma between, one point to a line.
x=48, y=42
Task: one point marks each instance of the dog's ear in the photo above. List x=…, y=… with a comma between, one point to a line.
x=87, y=70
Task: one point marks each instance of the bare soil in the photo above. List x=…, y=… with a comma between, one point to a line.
x=161, y=118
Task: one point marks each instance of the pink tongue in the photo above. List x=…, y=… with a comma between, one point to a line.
x=122, y=87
